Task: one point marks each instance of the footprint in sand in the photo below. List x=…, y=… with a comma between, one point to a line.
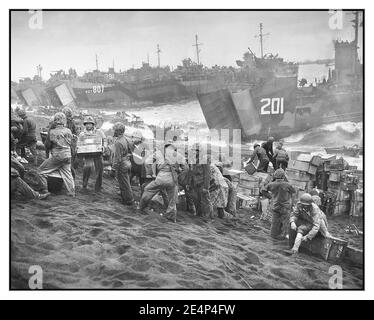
x=172, y=267
x=95, y=232
x=141, y=265
x=122, y=249
x=190, y=242
x=131, y=276
x=43, y=224
x=281, y=273
x=252, y=258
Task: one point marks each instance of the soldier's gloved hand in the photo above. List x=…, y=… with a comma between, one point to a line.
x=293, y=226
x=205, y=191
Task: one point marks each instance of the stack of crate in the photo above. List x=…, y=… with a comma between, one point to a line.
x=301, y=173
x=343, y=183
x=248, y=188
x=357, y=203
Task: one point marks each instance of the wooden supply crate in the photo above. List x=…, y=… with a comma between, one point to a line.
x=312, y=169
x=89, y=145
x=329, y=249
x=297, y=175
x=300, y=185
x=342, y=208
x=298, y=165
x=335, y=176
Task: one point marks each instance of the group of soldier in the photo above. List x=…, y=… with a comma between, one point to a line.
x=164, y=172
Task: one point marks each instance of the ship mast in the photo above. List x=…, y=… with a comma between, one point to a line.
x=97, y=63
x=261, y=35
x=158, y=54
x=39, y=71
x=197, y=44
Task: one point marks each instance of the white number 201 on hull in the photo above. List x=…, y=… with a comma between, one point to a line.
x=272, y=106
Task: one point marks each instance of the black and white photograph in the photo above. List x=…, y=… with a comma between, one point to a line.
x=186, y=149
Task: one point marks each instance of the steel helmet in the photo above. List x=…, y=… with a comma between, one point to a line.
x=271, y=139
x=137, y=135
x=279, y=174
x=68, y=112
x=22, y=113
x=89, y=119
x=59, y=118
x=119, y=128
x=306, y=199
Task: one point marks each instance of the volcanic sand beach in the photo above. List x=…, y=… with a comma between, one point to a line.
x=93, y=241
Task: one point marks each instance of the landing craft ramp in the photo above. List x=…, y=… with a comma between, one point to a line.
x=223, y=109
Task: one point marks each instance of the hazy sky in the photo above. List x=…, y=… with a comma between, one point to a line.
x=71, y=39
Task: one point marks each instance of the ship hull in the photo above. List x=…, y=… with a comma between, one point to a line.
x=278, y=108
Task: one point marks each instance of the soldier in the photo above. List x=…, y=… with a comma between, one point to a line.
x=122, y=163
x=28, y=137
x=281, y=157
x=305, y=222
x=281, y=193
x=263, y=158
x=60, y=145
x=74, y=130
x=268, y=146
x=166, y=181
x=200, y=176
x=91, y=161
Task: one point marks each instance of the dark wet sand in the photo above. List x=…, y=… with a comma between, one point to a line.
x=93, y=241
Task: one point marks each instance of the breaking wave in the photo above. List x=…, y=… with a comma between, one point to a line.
x=334, y=134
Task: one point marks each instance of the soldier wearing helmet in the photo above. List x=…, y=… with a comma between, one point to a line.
x=122, y=163
x=94, y=160
x=27, y=137
x=305, y=222
x=268, y=146
x=70, y=121
x=58, y=142
x=281, y=193
x=261, y=155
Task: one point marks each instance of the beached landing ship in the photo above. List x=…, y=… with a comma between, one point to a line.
x=273, y=103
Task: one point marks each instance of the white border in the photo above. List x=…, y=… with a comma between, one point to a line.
x=180, y=295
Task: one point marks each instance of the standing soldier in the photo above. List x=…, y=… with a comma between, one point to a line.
x=200, y=176
x=281, y=193
x=268, y=146
x=122, y=163
x=60, y=145
x=166, y=181
x=74, y=130
x=95, y=160
x=281, y=157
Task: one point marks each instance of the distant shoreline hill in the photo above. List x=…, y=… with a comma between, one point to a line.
x=318, y=61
